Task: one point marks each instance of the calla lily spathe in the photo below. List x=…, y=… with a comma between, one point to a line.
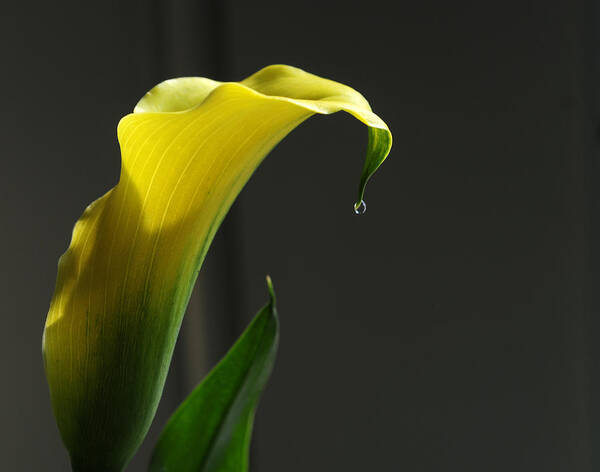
x=125, y=281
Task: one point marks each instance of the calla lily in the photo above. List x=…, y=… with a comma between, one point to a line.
x=125, y=280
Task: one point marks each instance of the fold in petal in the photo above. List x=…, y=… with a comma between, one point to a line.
x=125, y=281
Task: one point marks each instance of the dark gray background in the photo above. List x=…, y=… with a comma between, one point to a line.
x=450, y=328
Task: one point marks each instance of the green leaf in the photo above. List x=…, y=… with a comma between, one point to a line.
x=211, y=430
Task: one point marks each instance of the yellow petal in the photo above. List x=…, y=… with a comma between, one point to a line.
x=124, y=282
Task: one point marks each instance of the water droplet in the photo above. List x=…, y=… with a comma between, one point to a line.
x=360, y=207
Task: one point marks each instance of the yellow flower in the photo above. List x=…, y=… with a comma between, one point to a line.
x=124, y=282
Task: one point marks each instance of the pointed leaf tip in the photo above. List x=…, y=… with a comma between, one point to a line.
x=273, y=299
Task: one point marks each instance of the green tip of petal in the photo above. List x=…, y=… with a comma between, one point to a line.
x=378, y=148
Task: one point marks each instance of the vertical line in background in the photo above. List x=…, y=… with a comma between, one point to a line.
x=158, y=37
x=231, y=228
x=192, y=38
x=219, y=49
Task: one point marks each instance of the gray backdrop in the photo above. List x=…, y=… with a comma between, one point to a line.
x=449, y=328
